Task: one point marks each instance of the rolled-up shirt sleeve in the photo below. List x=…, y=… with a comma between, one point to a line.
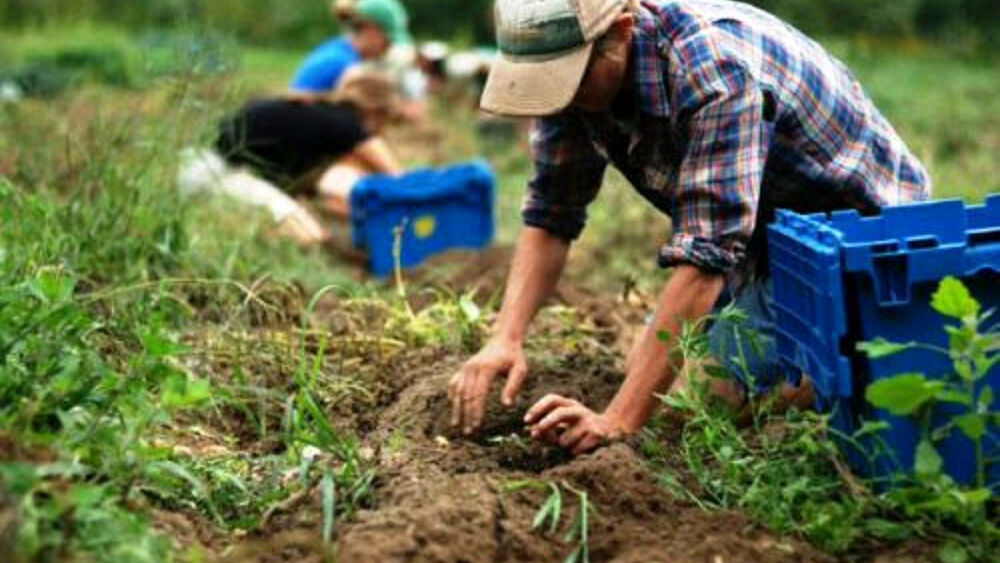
x=568, y=176
x=725, y=135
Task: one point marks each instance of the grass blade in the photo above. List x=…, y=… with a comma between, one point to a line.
x=328, y=493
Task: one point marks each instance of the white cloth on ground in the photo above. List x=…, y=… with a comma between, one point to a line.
x=203, y=170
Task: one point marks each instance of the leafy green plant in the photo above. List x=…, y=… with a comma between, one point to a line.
x=783, y=472
x=973, y=353
x=779, y=468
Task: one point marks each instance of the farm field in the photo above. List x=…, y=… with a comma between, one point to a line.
x=177, y=383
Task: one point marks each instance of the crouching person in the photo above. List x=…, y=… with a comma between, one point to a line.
x=273, y=150
x=717, y=113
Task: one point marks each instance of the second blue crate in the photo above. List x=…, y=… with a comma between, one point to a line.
x=422, y=213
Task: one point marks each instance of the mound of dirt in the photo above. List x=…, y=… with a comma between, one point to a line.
x=446, y=498
x=431, y=513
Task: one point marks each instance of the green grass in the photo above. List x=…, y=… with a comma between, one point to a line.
x=111, y=286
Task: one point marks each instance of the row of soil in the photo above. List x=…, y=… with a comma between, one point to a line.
x=442, y=497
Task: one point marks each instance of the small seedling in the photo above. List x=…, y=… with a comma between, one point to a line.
x=550, y=512
x=549, y=515
x=579, y=529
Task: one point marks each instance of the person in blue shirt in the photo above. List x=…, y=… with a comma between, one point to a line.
x=374, y=26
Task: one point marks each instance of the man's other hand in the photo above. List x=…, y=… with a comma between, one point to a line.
x=571, y=425
x=469, y=387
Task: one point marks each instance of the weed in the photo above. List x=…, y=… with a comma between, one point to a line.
x=783, y=471
x=550, y=515
x=787, y=473
x=930, y=495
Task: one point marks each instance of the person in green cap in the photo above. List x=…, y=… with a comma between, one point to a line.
x=374, y=26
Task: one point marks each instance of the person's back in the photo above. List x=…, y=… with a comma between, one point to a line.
x=374, y=26
x=819, y=111
x=284, y=139
x=323, y=68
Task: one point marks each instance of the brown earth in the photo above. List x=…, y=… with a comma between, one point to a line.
x=443, y=498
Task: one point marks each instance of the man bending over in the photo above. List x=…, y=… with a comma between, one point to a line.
x=717, y=113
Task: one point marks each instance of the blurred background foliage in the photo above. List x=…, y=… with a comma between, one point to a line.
x=969, y=24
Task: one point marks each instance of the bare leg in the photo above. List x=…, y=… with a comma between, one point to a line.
x=336, y=183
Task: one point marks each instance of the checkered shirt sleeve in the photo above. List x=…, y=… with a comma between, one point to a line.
x=568, y=175
x=724, y=140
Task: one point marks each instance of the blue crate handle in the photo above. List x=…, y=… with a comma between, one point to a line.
x=920, y=242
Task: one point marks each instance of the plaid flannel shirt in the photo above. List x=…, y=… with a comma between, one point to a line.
x=727, y=113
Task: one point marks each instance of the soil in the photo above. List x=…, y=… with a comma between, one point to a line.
x=443, y=497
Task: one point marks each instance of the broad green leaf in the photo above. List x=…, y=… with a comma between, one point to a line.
x=942, y=503
x=928, y=461
x=902, y=394
x=952, y=552
x=19, y=478
x=881, y=348
x=964, y=370
x=977, y=496
x=952, y=299
x=986, y=398
x=972, y=425
x=52, y=285
x=953, y=396
x=887, y=529
x=959, y=338
x=88, y=496
x=992, y=341
x=159, y=346
x=181, y=392
x=469, y=309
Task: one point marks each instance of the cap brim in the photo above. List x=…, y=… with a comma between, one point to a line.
x=532, y=87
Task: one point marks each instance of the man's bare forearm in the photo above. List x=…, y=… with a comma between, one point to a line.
x=538, y=262
x=688, y=295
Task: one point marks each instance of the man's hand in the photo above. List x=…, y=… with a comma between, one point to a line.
x=582, y=429
x=469, y=387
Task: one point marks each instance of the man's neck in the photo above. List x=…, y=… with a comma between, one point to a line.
x=625, y=104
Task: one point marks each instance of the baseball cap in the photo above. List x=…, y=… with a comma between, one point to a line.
x=545, y=46
x=389, y=15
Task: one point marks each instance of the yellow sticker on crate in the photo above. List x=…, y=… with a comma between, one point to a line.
x=424, y=226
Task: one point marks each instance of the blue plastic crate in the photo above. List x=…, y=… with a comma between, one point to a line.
x=433, y=211
x=848, y=279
